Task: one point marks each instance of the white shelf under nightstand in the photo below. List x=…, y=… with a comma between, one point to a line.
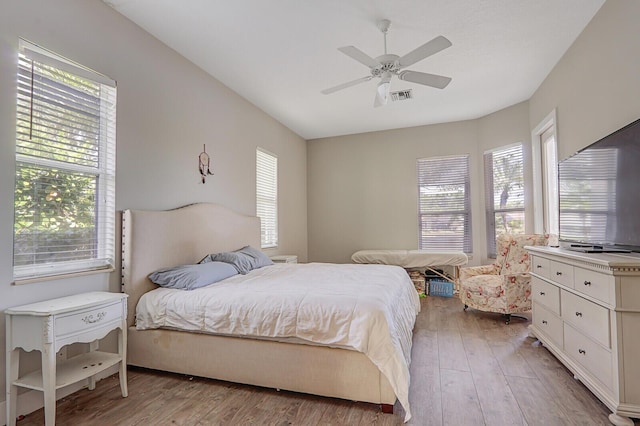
x=50, y=325
x=285, y=258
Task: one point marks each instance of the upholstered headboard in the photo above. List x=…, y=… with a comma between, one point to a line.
x=152, y=240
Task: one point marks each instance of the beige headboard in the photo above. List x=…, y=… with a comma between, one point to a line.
x=152, y=240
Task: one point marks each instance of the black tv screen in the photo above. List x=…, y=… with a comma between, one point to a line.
x=599, y=190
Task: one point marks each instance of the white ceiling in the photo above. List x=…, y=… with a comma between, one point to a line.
x=279, y=54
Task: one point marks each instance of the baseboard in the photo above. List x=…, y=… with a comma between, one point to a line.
x=32, y=400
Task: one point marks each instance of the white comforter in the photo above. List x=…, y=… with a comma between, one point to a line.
x=368, y=308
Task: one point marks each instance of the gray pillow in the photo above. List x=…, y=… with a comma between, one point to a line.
x=244, y=260
x=190, y=277
x=258, y=258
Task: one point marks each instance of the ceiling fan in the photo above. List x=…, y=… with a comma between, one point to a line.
x=387, y=65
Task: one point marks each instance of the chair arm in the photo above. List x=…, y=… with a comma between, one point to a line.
x=520, y=283
x=472, y=271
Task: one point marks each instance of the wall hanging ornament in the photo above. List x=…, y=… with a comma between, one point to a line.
x=204, y=163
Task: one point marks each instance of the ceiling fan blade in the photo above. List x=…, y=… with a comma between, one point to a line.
x=359, y=55
x=429, y=48
x=345, y=85
x=433, y=80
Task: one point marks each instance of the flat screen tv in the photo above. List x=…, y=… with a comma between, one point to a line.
x=599, y=190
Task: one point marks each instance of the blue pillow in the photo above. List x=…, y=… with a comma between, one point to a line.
x=244, y=260
x=190, y=277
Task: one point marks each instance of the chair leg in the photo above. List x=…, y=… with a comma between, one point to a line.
x=507, y=318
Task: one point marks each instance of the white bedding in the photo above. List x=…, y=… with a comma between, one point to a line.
x=367, y=308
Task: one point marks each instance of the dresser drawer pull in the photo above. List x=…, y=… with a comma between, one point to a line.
x=558, y=273
x=582, y=351
x=89, y=319
x=542, y=293
x=544, y=321
x=587, y=283
x=578, y=314
x=538, y=266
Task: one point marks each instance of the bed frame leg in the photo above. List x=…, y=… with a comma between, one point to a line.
x=387, y=408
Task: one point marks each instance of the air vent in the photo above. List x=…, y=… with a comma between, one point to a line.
x=402, y=95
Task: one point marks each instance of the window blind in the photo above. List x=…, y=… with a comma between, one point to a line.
x=504, y=193
x=267, y=197
x=64, y=205
x=444, y=204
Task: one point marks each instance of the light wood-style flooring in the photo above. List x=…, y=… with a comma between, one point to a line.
x=468, y=368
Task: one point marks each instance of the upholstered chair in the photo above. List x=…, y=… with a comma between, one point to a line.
x=505, y=285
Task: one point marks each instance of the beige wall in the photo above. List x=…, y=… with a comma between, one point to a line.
x=167, y=109
x=595, y=87
x=362, y=189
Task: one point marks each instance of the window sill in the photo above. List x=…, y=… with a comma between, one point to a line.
x=31, y=280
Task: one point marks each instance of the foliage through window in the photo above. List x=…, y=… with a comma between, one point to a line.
x=504, y=193
x=444, y=204
x=267, y=197
x=64, y=205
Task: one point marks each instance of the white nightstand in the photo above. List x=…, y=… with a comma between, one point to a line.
x=285, y=258
x=48, y=326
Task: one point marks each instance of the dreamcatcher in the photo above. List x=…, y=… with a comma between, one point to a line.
x=204, y=163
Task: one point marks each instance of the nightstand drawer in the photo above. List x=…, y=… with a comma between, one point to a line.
x=86, y=320
x=586, y=316
x=285, y=258
x=546, y=294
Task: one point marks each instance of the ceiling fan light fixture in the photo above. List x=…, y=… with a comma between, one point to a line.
x=382, y=92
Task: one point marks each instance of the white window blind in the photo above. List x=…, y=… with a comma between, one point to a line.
x=267, y=197
x=64, y=205
x=504, y=193
x=444, y=204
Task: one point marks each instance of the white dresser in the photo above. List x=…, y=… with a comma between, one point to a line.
x=586, y=311
x=48, y=326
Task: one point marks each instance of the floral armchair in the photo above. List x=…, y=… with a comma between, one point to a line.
x=505, y=285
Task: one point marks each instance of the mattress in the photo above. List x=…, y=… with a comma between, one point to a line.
x=367, y=308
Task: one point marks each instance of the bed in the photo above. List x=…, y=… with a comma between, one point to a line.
x=153, y=240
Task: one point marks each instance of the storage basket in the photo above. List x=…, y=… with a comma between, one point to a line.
x=440, y=288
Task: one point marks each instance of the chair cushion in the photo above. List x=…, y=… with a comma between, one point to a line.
x=484, y=285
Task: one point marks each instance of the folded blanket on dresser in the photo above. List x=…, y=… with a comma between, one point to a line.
x=367, y=308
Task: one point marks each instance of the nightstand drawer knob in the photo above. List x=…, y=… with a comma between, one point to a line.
x=578, y=314
x=587, y=283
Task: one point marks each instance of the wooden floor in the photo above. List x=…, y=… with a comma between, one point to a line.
x=468, y=368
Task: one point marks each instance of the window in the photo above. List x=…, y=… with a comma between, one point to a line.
x=444, y=204
x=267, y=197
x=64, y=205
x=545, y=178
x=504, y=192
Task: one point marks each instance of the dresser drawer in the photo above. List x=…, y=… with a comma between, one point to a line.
x=548, y=323
x=597, y=285
x=586, y=316
x=561, y=273
x=593, y=357
x=546, y=294
x=88, y=319
x=540, y=266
